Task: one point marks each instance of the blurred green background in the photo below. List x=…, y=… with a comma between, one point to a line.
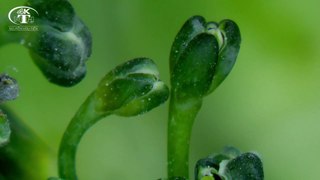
x=268, y=104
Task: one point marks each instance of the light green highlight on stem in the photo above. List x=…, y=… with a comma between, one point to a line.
x=80, y=123
x=181, y=118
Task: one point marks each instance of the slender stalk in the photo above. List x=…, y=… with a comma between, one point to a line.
x=131, y=89
x=81, y=122
x=181, y=118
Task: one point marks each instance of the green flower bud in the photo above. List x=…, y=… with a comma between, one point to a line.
x=192, y=74
x=55, y=13
x=202, y=55
x=191, y=28
x=247, y=166
x=228, y=34
x=230, y=164
x=63, y=43
x=207, y=167
x=131, y=88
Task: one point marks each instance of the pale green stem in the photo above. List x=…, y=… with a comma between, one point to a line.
x=81, y=122
x=181, y=118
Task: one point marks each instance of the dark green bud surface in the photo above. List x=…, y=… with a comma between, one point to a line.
x=202, y=55
x=230, y=165
x=193, y=72
x=131, y=89
x=247, y=166
x=63, y=43
x=229, y=38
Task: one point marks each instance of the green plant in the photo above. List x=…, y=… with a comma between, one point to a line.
x=60, y=47
x=201, y=57
x=130, y=89
x=230, y=164
x=211, y=50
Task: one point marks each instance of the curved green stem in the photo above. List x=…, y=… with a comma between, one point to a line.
x=181, y=118
x=81, y=122
x=130, y=89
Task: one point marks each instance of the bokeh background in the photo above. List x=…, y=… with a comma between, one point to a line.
x=269, y=104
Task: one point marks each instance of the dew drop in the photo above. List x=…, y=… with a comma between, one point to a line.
x=22, y=41
x=14, y=69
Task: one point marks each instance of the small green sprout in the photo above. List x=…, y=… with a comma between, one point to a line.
x=130, y=89
x=228, y=165
x=62, y=44
x=202, y=56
